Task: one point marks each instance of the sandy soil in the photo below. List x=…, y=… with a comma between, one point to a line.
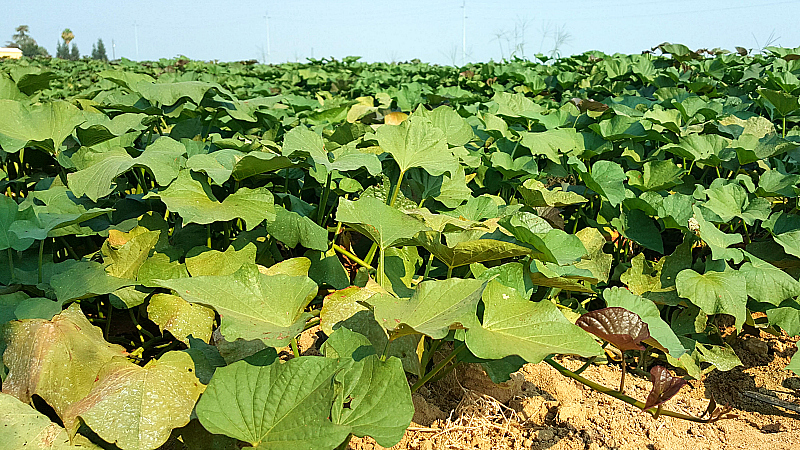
x=541, y=409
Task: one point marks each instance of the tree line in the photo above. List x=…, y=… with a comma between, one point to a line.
x=31, y=49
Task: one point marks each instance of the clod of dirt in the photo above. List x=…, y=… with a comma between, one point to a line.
x=473, y=377
x=545, y=434
x=756, y=346
x=425, y=413
x=532, y=409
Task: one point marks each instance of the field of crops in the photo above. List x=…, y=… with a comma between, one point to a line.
x=169, y=229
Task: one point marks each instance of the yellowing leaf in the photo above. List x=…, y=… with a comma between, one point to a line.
x=137, y=407
x=55, y=359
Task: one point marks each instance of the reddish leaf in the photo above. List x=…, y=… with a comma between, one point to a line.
x=623, y=328
x=665, y=386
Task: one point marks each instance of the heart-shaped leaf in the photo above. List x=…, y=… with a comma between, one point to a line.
x=513, y=325
x=195, y=203
x=181, y=318
x=623, y=328
x=137, y=407
x=365, y=385
x=435, y=307
x=715, y=292
x=252, y=305
x=55, y=359
x=24, y=427
x=279, y=406
x=665, y=386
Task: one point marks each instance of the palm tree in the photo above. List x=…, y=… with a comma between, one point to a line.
x=67, y=36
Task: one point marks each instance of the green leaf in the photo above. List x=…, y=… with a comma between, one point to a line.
x=717, y=240
x=125, y=261
x=346, y=308
x=637, y=226
x=767, y=283
x=607, y=179
x=44, y=125
x=55, y=359
x=193, y=201
x=456, y=130
x=552, y=245
x=417, y=143
x=535, y=194
x=597, y=262
x=98, y=168
x=649, y=313
x=435, y=307
x=8, y=214
x=326, y=268
x=656, y=176
x=715, y=292
x=383, y=224
x=783, y=103
x=203, y=261
x=365, y=385
x=86, y=279
x=181, y=318
x=472, y=251
x=252, y=305
x=705, y=148
x=137, y=407
x=513, y=325
x=794, y=364
x=292, y=229
x=790, y=241
x=24, y=427
x=282, y=406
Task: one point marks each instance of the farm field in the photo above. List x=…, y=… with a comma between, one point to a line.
x=338, y=254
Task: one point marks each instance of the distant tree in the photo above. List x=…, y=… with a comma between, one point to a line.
x=63, y=50
x=99, y=51
x=26, y=43
x=74, y=54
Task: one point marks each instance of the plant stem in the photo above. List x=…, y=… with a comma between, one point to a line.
x=397, y=188
x=41, y=257
x=69, y=248
x=208, y=235
x=616, y=394
x=438, y=367
x=324, y=201
x=108, y=320
x=428, y=266
x=371, y=253
x=142, y=331
x=622, y=379
x=11, y=264
x=783, y=130
x=352, y=256
x=311, y=324
x=449, y=272
x=295, y=350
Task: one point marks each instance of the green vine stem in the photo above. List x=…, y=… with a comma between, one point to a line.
x=41, y=257
x=619, y=395
x=295, y=349
x=326, y=192
x=438, y=367
x=353, y=257
x=11, y=264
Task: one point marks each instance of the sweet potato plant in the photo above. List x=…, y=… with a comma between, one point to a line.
x=170, y=228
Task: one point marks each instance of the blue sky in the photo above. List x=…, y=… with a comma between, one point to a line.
x=399, y=30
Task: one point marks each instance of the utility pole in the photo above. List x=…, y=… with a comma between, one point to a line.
x=113, y=50
x=136, y=38
x=464, y=33
x=269, y=54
